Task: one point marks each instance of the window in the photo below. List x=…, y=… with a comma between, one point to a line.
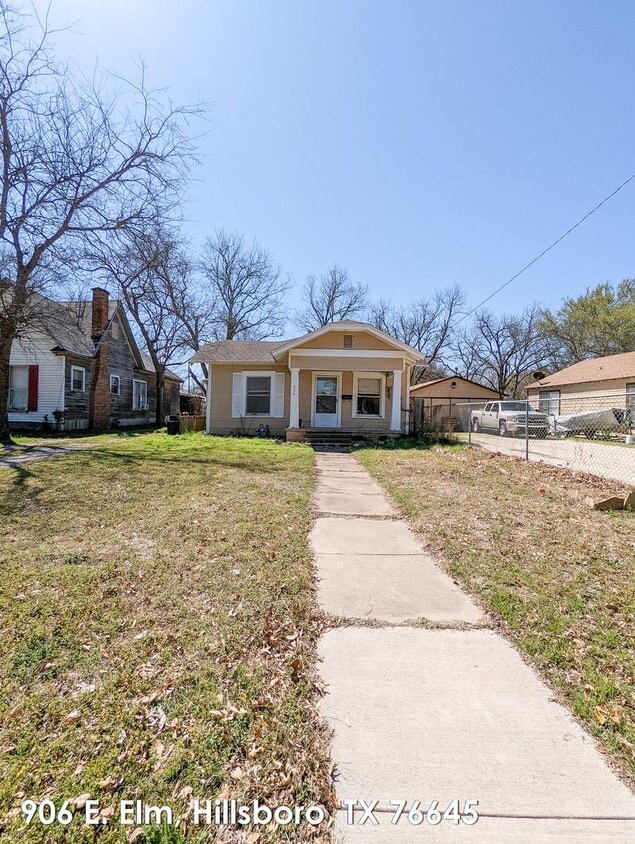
x=630, y=396
x=348, y=341
x=258, y=393
x=369, y=394
x=78, y=379
x=139, y=395
x=18, y=387
x=115, y=385
x=549, y=402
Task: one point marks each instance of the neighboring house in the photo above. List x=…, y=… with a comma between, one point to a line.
x=346, y=376
x=444, y=403
x=593, y=384
x=80, y=367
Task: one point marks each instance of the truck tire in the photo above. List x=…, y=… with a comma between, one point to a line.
x=475, y=425
x=502, y=428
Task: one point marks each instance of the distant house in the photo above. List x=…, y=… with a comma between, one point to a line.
x=79, y=367
x=444, y=402
x=595, y=384
x=344, y=378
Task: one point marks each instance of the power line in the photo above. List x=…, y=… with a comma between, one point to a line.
x=548, y=249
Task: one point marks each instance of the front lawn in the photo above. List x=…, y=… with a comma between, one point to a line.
x=157, y=633
x=559, y=576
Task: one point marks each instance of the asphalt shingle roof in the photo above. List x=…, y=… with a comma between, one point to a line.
x=238, y=351
x=597, y=369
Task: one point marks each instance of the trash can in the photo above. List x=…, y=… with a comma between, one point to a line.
x=173, y=424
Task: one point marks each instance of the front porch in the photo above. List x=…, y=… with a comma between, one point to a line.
x=345, y=404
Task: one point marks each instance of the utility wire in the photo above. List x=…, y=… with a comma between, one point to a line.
x=548, y=249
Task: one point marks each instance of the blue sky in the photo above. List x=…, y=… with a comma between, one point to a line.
x=417, y=144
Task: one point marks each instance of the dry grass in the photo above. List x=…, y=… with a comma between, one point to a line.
x=157, y=633
x=558, y=575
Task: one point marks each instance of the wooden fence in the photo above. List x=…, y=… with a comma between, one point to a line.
x=192, y=423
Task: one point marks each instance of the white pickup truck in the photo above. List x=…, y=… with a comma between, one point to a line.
x=509, y=418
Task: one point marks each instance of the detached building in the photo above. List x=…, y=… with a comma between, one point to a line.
x=599, y=383
x=443, y=404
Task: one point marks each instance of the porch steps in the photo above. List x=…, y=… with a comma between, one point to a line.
x=332, y=441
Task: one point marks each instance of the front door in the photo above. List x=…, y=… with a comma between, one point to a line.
x=326, y=401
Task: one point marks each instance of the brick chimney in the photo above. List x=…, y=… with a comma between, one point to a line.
x=100, y=381
x=100, y=311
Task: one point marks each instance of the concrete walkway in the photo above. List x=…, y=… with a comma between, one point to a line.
x=449, y=713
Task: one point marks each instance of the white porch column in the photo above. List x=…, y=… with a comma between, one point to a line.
x=294, y=413
x=395, y=416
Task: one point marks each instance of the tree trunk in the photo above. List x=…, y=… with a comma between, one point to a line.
x=160, y=392
x=5, y=355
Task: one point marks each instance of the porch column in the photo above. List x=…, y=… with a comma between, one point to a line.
x=294, y=413
x=395, y=416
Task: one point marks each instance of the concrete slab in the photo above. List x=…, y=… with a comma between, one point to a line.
x=487, y=831
x=353, y=504
x=391, y=588
x=351, y=482
x=324, y=459
x=448, y=714
x=363, y=536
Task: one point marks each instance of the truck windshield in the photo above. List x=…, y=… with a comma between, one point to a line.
x=513, y=405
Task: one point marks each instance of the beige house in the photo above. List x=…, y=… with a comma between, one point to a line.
x=443, y=404
x=594, y=384
x=344, y=377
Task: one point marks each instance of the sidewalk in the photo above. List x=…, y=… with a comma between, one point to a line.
x=429, y=703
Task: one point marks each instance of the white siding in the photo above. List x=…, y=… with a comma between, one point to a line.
x=35, y=351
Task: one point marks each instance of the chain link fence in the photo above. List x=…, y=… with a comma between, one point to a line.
x=595, y=434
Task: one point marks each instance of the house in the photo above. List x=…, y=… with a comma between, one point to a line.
x=345, y=377
x=594, y=384
x=443, y=404
x=79, y=367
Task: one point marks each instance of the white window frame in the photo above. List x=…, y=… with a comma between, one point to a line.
x=145, y=405
x=82, y=370
x=270, y=376
x=546, y=399
x=116, y=378
x=13, y=390
x=382, y=395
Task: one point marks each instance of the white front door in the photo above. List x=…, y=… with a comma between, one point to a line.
x=326, y=401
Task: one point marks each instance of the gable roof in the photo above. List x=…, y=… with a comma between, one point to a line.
x=70, y=324
x=438, y=381
x=353, y=326
x=609, y=368
x=270, y=351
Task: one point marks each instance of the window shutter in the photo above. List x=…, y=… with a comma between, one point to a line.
x=278, y=406
x=238, y=404
x=34, y=377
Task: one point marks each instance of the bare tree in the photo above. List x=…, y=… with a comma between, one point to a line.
x=244, y=288
x=331, y=297
x=144, y=269
x=426, y=325
x=75, y=163
x=502, y=351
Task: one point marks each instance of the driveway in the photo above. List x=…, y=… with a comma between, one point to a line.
x=612, y=461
